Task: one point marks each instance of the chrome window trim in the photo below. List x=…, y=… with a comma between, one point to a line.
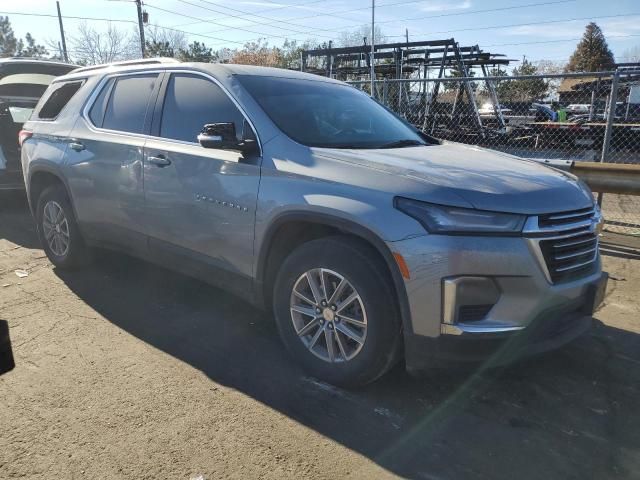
x=98, y=88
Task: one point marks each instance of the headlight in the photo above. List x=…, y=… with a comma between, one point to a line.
x=454, y=220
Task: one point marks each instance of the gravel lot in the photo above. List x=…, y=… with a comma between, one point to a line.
x=129, y=371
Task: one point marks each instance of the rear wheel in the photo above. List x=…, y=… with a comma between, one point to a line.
x=336, y=312
x=58, y=229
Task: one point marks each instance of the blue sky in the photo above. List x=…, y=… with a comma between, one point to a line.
x=510, y=30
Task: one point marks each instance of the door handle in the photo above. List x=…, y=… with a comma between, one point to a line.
x=159, y=161
x=77, y=146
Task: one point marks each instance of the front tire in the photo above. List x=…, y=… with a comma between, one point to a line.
x=336, y=312
x=58, y=229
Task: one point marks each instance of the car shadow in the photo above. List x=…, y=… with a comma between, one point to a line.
x=16, y=223
x=569, y=414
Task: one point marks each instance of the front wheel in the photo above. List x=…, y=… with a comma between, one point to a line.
x=336, y=312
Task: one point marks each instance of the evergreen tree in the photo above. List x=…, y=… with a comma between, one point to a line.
x=197, y=52
x=8, y=40
x=10, y=46
x=530, y=89
x=157, y=48
x=592, y=53
x=29, y=48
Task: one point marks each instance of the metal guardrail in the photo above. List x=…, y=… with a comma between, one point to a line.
x=623, y=179
x=619, y=178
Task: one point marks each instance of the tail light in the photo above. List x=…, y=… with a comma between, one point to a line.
x=23, y=136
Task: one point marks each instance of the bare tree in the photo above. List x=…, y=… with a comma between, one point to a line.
x=356, y=37
x=164, y=42
x=631, y=54
x=91, y=46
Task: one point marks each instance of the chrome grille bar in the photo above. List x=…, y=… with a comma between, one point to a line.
x=566, y=242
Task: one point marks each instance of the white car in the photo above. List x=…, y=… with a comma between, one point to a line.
x=487, y=109
x=578, y=108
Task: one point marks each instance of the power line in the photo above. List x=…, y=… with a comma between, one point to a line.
x=555, y=41
x=405, y=2
x=263, y=35
x=70, y=17
x=241, y=17
x=311, y=33
x=520, y=24
x=116, y=20
x=226, y=41
x=279, y=7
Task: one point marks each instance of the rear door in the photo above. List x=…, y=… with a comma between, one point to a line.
x=104, y=159
x=199, y=202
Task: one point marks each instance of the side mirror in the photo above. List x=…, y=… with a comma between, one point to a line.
x=223, y=136
x=218, y=135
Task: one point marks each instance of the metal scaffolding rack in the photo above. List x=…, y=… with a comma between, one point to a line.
x=420, y=60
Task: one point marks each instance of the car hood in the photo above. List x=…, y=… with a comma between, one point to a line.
x=485, y=179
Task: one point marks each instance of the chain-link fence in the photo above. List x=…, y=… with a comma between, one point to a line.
x=591, y=117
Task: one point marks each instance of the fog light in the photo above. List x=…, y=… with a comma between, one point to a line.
x=468, y=299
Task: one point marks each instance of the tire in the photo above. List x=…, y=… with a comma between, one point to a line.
x=73, y=253
x=348, y=363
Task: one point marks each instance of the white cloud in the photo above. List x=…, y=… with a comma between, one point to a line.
x=623, y=26
x=575, y=28
x=441, y=6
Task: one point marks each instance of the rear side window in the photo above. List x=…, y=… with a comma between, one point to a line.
x=190, y=103
x=96, y=114
x=127, y=104
x=58, y=99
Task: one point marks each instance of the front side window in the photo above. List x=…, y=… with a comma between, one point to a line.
x=190, y=103
x=325, y=114
x=127, y=105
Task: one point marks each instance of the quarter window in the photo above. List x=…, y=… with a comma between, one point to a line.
x=192, y=102
x=60, y=95
x=128, y=103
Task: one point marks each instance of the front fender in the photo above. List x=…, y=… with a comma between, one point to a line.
x=342, y=222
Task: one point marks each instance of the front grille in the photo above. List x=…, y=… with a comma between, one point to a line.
x=568, y=243
x=570, y=257
x=473, y=313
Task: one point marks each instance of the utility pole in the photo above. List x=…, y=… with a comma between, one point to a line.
x=373, y=47
x=64, y=43
x=141, y=27
x=406, y=32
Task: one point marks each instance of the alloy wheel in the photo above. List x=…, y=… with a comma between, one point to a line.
x=328, y=315
x=55, y=227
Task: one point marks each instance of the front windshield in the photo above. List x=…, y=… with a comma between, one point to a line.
x=323, y=114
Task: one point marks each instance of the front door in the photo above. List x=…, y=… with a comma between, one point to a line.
x=199, y=202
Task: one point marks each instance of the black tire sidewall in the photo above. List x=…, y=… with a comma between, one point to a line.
x=383, y=326
x=76, y=254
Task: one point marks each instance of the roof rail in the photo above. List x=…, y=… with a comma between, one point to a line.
x=142, y=61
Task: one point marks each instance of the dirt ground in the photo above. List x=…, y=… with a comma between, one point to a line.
x=128, y=371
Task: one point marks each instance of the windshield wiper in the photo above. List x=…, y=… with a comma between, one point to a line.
x=402, y=143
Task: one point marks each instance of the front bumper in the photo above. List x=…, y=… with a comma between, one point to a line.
x=529, y=314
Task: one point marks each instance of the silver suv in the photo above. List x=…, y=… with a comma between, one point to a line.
x=370, y=241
